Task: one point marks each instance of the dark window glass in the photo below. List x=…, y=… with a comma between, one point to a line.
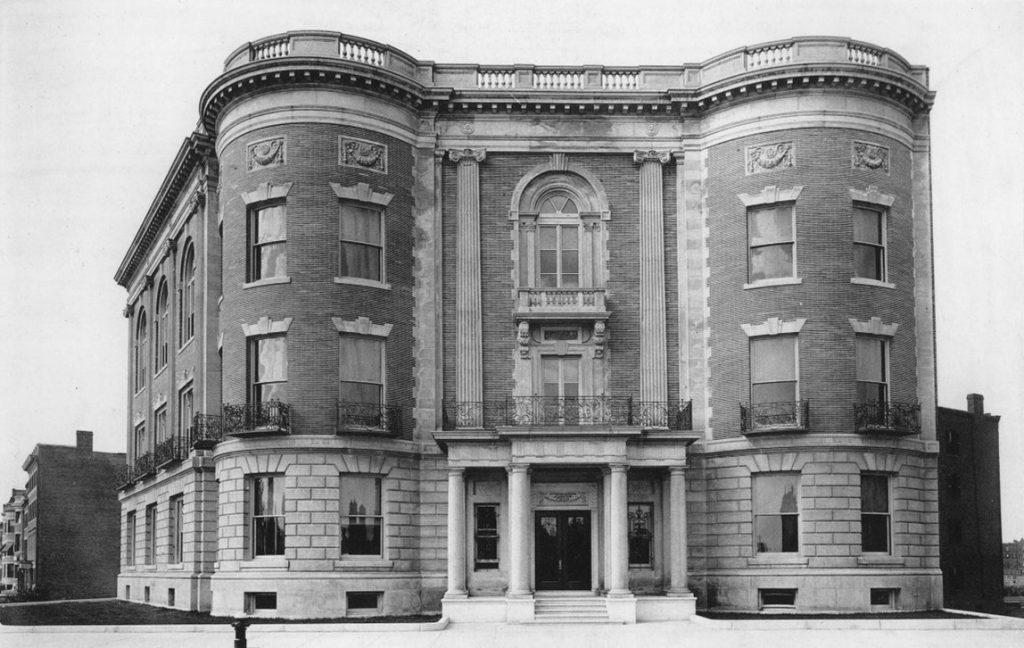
x=776, y=517
x=868, y=244
x=361, y=247
x=361, y=518
x=361, y=371
x=773, y=374
x=874, y=507
x=269, y=369
x=641, y=520
x=267, y=516
x=782, y=597
x=771, y=242
x=268, y=256
x=872, y=369
x=486, y=536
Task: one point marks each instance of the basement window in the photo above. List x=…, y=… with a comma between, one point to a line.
x=257, y=603
x=883, y=598
x=363, y=603
x=775, y=599
x=145, y=594
x=170, y=596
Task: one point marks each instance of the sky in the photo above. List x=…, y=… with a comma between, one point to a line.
x=96, y=97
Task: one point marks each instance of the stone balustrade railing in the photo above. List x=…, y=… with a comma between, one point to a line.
x=791, y=52
x=551, y=300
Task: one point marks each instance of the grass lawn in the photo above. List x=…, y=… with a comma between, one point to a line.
x=124, y=613
x=743, y=616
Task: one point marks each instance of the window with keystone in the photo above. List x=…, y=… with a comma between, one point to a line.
x=139, y=352
x=268, y=252
x=187, y=295
x=268, y=369
x=485, y=536
x=869, y=243
x=361, y=244
x=776, y=512
x=872, y=369
x=266, y=515
x=160, y=327
x=774, y=369
x=874, y=512
x=362, y=520
x=361, y=369
x=771, y=241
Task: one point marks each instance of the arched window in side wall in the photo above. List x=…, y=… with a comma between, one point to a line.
x=160, y=327
x=141, y=341
x=187, y=295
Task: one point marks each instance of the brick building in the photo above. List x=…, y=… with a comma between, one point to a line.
x=408, y=336
x=11, y=551
x=970, y=523
x=70, y=519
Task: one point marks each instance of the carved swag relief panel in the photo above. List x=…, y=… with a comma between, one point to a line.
x=363, y=154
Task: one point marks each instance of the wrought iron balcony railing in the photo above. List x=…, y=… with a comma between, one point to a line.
x=206, y=431
x=371, y=417
x=124, y=476
x=783, y=416
x=579, y=410
x=256, y=418
x=144, y=465
x=168, y=451
x=887, y=417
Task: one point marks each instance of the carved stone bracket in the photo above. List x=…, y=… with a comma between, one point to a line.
x=523, y=338
x=661, y=157
x=599, y=339
x=129, y=310
x=467, y=155
x=169, y=247
x=769, y=157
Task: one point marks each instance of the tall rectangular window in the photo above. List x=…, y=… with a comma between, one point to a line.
x=268, y=369
x=361, y=244
x=641, y=533
x=559, y=256
x=129, y=539
x=176, y=525
x=868, y=243
x=141, y=446
x=150, y=552
x=186, y=412
x=485, y=536
x=160, y=420
x=362, y=370
x=268, y=255
x=266, y=531
x=561, y=376
x=771, y=242
x=773, y=369
x=872, y=369
x=776, y=516
x=874, y=512
x=361, y=517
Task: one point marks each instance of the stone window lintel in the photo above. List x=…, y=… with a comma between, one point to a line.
x=770, y=195
x=872, y=196
x=774, y=326
x=267, y=326
x=362, y=326
x=874, y=326
x=361, y=192
x=266, y=191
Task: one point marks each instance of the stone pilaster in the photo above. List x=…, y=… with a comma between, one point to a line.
x=677, y=532
x=519, y=530
x=653, y=360
x=692, y=256
x=468, y=326
x=924, y=281
x=618, y=556
x=456, y=533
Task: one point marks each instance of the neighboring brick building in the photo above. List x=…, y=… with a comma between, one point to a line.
x=1013, y=563
x=11, y=550
x=71, y=534
x=408, y=336
x=970, y=524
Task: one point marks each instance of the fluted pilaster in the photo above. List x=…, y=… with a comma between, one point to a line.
x=468, y=333
x=653, y=358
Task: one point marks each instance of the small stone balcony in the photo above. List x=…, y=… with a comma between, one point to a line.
x=562, y=304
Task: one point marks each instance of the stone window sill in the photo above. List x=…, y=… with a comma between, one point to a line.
x=864, y=281
x=175, y=567
x=766, y=283
x=364, y=564
x=264, y=562
x=358, y=281
x=776, y=559
x=269, y=281
x=879, y=559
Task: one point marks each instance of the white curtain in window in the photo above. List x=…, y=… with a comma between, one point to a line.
x=273, y=360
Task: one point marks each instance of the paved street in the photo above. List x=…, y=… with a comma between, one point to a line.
x=644, y=635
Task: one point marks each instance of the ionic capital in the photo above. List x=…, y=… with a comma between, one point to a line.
x=467, y=155
x=661, y=157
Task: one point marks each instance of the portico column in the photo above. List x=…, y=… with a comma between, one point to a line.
x=654, y=363
x=677, y=532
x=618, y=558
x=456, y=533
x=468, y=332
x=519, y=530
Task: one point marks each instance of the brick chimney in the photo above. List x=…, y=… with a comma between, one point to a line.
x=975, y=403
x=84, y=440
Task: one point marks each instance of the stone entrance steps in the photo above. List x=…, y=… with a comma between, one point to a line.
x=569, y=607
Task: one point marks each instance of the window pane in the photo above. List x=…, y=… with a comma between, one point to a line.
x=261, y=496
x=870, y=359
x=361, y=359
x=270, y=224
x=548, y=262
x=360, y=495
x=571, y=370
x=486, y=518
x=275, y=391
x=775, y=493
x=867, y=262
x=360, y=536
x=570, y=237
x=868, y=392
x=874, y=494
x=570, y=263
x=874, y=532
x=867, y=226
x=358, y=392
x=359, y=260
x=273, y=260
x=771, y=262
x=360, y=224
x=770, y=225
x=269, y=536
x=773, y=358
x=549, y=366
x=774, y=533
x=486, y=548
x=547, y=207
x=548, y=237
x=272, y=360
x=779, y=392
x=570, y=207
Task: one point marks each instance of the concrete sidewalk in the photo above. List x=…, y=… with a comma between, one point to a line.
x=645, y=635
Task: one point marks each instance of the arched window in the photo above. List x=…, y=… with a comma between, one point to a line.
x=187, y=295
x=141, y=341
x=558, y=242
x=160, y=327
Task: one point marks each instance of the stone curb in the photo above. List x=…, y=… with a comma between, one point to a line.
x=981, y=622
x=223, y=628
x=57, y=602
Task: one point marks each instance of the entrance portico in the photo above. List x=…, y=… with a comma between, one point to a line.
x=599, y=514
